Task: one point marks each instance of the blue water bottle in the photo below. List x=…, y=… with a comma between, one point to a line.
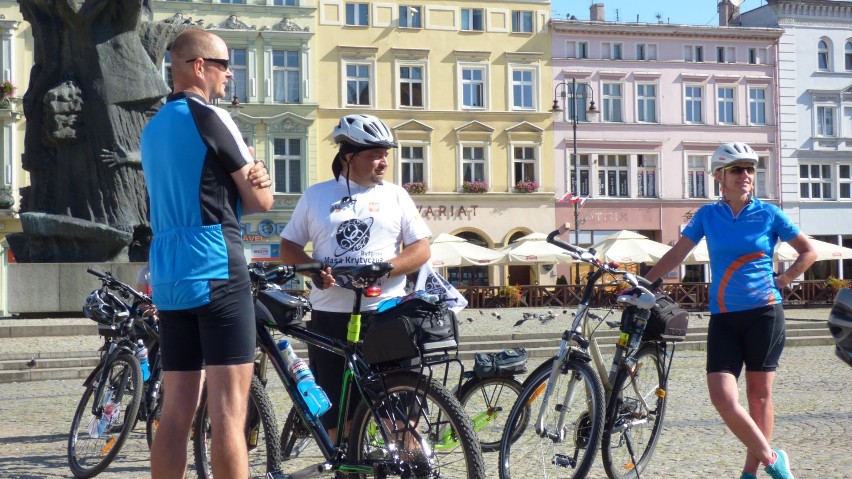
x=314, y=396
x=142, y=355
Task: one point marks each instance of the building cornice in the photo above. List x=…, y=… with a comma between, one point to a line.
x=663, y=30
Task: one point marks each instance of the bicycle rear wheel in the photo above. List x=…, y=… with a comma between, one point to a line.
x=635, y=414
x=566, y=452
x=91, y=451
x=488, y=401
x=261, y=432
x=431, y=434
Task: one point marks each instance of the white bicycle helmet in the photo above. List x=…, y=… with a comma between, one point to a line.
x=730, y=153
x=364, y=131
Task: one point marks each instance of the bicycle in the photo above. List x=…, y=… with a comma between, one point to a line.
x=402, y=412
x=115, y=387
x=633, y=389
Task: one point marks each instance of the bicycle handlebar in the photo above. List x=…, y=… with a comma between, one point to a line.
x=264, y=271
x=112, y=282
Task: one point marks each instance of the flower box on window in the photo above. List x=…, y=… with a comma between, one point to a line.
x=525, y=186
x=415, y=187
x=475, y=186
x=7, y=93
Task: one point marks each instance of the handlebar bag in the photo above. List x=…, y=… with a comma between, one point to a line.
x=275, y=307
x=506, y=362
x=408, y=330
x=668, y=321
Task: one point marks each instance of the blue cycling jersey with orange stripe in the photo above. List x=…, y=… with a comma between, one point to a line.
x=741, y=251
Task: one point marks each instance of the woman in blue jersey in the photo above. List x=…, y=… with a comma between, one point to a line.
x=746, y=318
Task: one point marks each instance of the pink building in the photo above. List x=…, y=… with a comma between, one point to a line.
x=668, y=95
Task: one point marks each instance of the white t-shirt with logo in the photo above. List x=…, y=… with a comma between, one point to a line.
x=369, y=228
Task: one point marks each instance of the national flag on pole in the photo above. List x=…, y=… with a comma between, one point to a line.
x=573, y=199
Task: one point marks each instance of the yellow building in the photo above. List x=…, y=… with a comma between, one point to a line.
x=465, y=88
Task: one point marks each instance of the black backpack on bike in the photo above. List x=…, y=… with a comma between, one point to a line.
x=507, y=362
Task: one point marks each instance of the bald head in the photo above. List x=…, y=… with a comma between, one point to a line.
x=192, y=52
x=195, y=43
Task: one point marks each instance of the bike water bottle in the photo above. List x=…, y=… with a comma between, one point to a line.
x=106, y=416
x=388, y=304
x=432, y=298
x=314, y=396
x=142, y=355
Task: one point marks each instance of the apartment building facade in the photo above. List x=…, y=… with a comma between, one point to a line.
x=668, y=95
x=815, y=118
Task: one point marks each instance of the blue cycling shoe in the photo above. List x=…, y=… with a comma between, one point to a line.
x=780, y=469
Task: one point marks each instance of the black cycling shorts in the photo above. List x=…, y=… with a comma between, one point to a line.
x=754, y=337
x=221, y=332
x=327, y=366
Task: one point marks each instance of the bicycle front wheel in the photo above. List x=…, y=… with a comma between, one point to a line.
x=635, y=415
x=487, y=401
x=261, y=433
x=429, y=433
x=561, y=438
x=96, y=439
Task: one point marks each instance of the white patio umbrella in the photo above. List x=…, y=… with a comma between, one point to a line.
x=699, y=254
x=630, y=247
x=534, y=249
x=825, y=251
x=450, y=250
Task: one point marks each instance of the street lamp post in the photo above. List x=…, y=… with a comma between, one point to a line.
x=591, y=115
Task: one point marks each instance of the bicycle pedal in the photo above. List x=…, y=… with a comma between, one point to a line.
x=562, y=460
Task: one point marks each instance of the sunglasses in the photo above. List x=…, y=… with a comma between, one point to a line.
x=737, y=169
x=224, y=62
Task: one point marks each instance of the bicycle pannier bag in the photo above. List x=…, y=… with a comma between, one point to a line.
x=507, y=362
x=410, y=329
x=668, y=322
x=274, y=306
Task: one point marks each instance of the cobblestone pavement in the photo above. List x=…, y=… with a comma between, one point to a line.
x=813, y=407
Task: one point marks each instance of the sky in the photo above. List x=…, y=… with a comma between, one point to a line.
x=686, y=12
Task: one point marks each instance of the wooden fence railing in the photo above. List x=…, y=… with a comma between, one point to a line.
x=693, y=296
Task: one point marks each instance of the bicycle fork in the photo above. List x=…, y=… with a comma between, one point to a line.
x=559, y=434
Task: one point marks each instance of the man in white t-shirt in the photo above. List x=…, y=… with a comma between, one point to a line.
x=355, y=218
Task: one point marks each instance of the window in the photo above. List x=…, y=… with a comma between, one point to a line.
x=752, y=56
x=288, y=3
x=647, y=169
x=757, y=106
x=471, y=19
x=726, y=105
x=583, y=50
x=640, y=51
x=167, y=69
x=694, y=104
x=473, y=163
x=847, y=56
x=825, y=121
x=583, y=166
x=696, y=176
x=286, y=76
x=646, y=103
x=473, y=88
x=760, y=177
x=357, y=84
x=523, y=92
x=239, y=69
x=523, y=161
x=815, y=181
x=726, y=55
x=646, y=51
x=241, y=2
x=612, y=102
x=358, y=14
x=576, y=49
x=823, y=56
x=411, y=86
x=410, y=17
x=844, y=177
x=412, y=164
x=693, y=53
x=611, y=51
x=612, y=175
x=522, y=22
x=287, y=165
x=582, y=102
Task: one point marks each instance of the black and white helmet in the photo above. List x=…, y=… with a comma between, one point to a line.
x=101, y=308
x=731, y=153
x=840, y=324
x=363, y=131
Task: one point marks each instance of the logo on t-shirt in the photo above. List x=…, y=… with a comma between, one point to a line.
x=352, y=235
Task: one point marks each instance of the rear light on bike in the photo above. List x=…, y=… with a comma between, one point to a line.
x=661, y=393
x=373, y=291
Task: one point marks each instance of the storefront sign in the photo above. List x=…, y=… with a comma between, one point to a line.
x=263, y=231
x=444, y=211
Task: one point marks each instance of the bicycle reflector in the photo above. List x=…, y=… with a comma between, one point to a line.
x=373, y=291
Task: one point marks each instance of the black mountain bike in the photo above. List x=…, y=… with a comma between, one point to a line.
x=406, y=424
x=115, y=395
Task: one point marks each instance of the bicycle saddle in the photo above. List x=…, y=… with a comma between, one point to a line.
x=360, y=276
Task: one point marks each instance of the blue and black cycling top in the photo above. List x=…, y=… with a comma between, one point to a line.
x=189, y=150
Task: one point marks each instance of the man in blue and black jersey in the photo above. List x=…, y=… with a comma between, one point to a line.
x=201, y=177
